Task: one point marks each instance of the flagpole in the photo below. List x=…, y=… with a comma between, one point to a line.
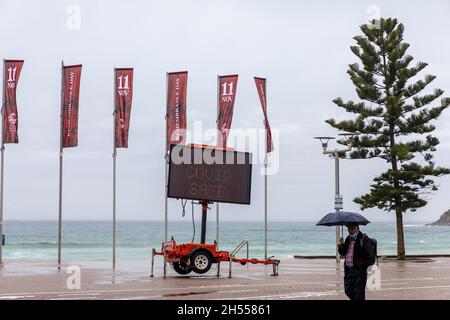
x=219, y=139
x=114, y=155
x=265, y=181
x=217, y=204
x=60, y=166
x=166, y=154
x=1, y=199
x=265, y=203
x=2, y=170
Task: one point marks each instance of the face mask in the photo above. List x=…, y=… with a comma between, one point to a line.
x=354, y=235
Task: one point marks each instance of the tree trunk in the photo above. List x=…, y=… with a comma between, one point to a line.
x=398, y=213
x=400, y=236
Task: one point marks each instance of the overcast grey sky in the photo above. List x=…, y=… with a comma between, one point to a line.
x=302, y=47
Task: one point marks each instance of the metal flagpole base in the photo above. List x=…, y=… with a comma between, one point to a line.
x=153, y=263
x=1, y=203
x=60, y=209
x=114, y=156
x=338, y=256
x=265, y=206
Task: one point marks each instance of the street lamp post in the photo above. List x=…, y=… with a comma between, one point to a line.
x=338, y=200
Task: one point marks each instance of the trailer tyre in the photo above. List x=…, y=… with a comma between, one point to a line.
x=201, y=260
x=181, y=268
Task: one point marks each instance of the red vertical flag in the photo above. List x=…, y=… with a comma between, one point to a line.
x=261, y=87
x=176, y=107
x=11, y=71
x=226, y=96
x=123, y=99
x=70, y=98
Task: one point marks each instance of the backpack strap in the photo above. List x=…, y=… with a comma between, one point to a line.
x=361, y=241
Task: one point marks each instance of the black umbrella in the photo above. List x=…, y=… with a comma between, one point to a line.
x=342, y=218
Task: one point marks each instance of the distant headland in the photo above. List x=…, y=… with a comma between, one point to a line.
x=444, y=220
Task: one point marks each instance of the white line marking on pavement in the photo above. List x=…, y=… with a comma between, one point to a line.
x=413, y=288
x=77, y=298
x=235, y=291
x=415, y=279
x=138, y=298
x=394, y=283
x=288, y=295
x=77, y=294
x=187, y=294
x=15, y=297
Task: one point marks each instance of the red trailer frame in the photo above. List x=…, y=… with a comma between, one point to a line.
x=183, y=257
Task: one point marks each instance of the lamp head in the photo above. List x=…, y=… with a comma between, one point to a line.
x=324, y=141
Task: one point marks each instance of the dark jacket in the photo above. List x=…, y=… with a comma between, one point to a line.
x=360, y=251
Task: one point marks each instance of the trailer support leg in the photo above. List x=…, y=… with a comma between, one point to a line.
x=204, y=213
x=229, y=269
x=275, y=269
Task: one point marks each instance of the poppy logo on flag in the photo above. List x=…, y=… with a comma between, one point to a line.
x=12, y=119
x=224, y=129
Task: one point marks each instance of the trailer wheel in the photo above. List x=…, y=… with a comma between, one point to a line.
x=201, y=260
x=181, y=268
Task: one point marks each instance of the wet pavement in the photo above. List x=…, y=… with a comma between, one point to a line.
x=419, y=278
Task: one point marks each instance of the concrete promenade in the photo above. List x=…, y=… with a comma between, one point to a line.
x=418, y=278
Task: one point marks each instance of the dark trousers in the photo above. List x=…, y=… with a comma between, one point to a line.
x=355, y=283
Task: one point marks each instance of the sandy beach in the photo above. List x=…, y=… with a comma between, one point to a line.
x=419, y=278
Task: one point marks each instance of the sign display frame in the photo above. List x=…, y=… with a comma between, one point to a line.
x=239, y=178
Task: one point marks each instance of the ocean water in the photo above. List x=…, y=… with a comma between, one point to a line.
x=89, y=240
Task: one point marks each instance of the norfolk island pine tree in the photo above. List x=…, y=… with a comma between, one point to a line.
x=393, y=119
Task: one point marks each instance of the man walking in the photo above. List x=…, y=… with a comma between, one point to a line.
x=356, y=249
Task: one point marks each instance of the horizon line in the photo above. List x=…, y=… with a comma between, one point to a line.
x=190, y=221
